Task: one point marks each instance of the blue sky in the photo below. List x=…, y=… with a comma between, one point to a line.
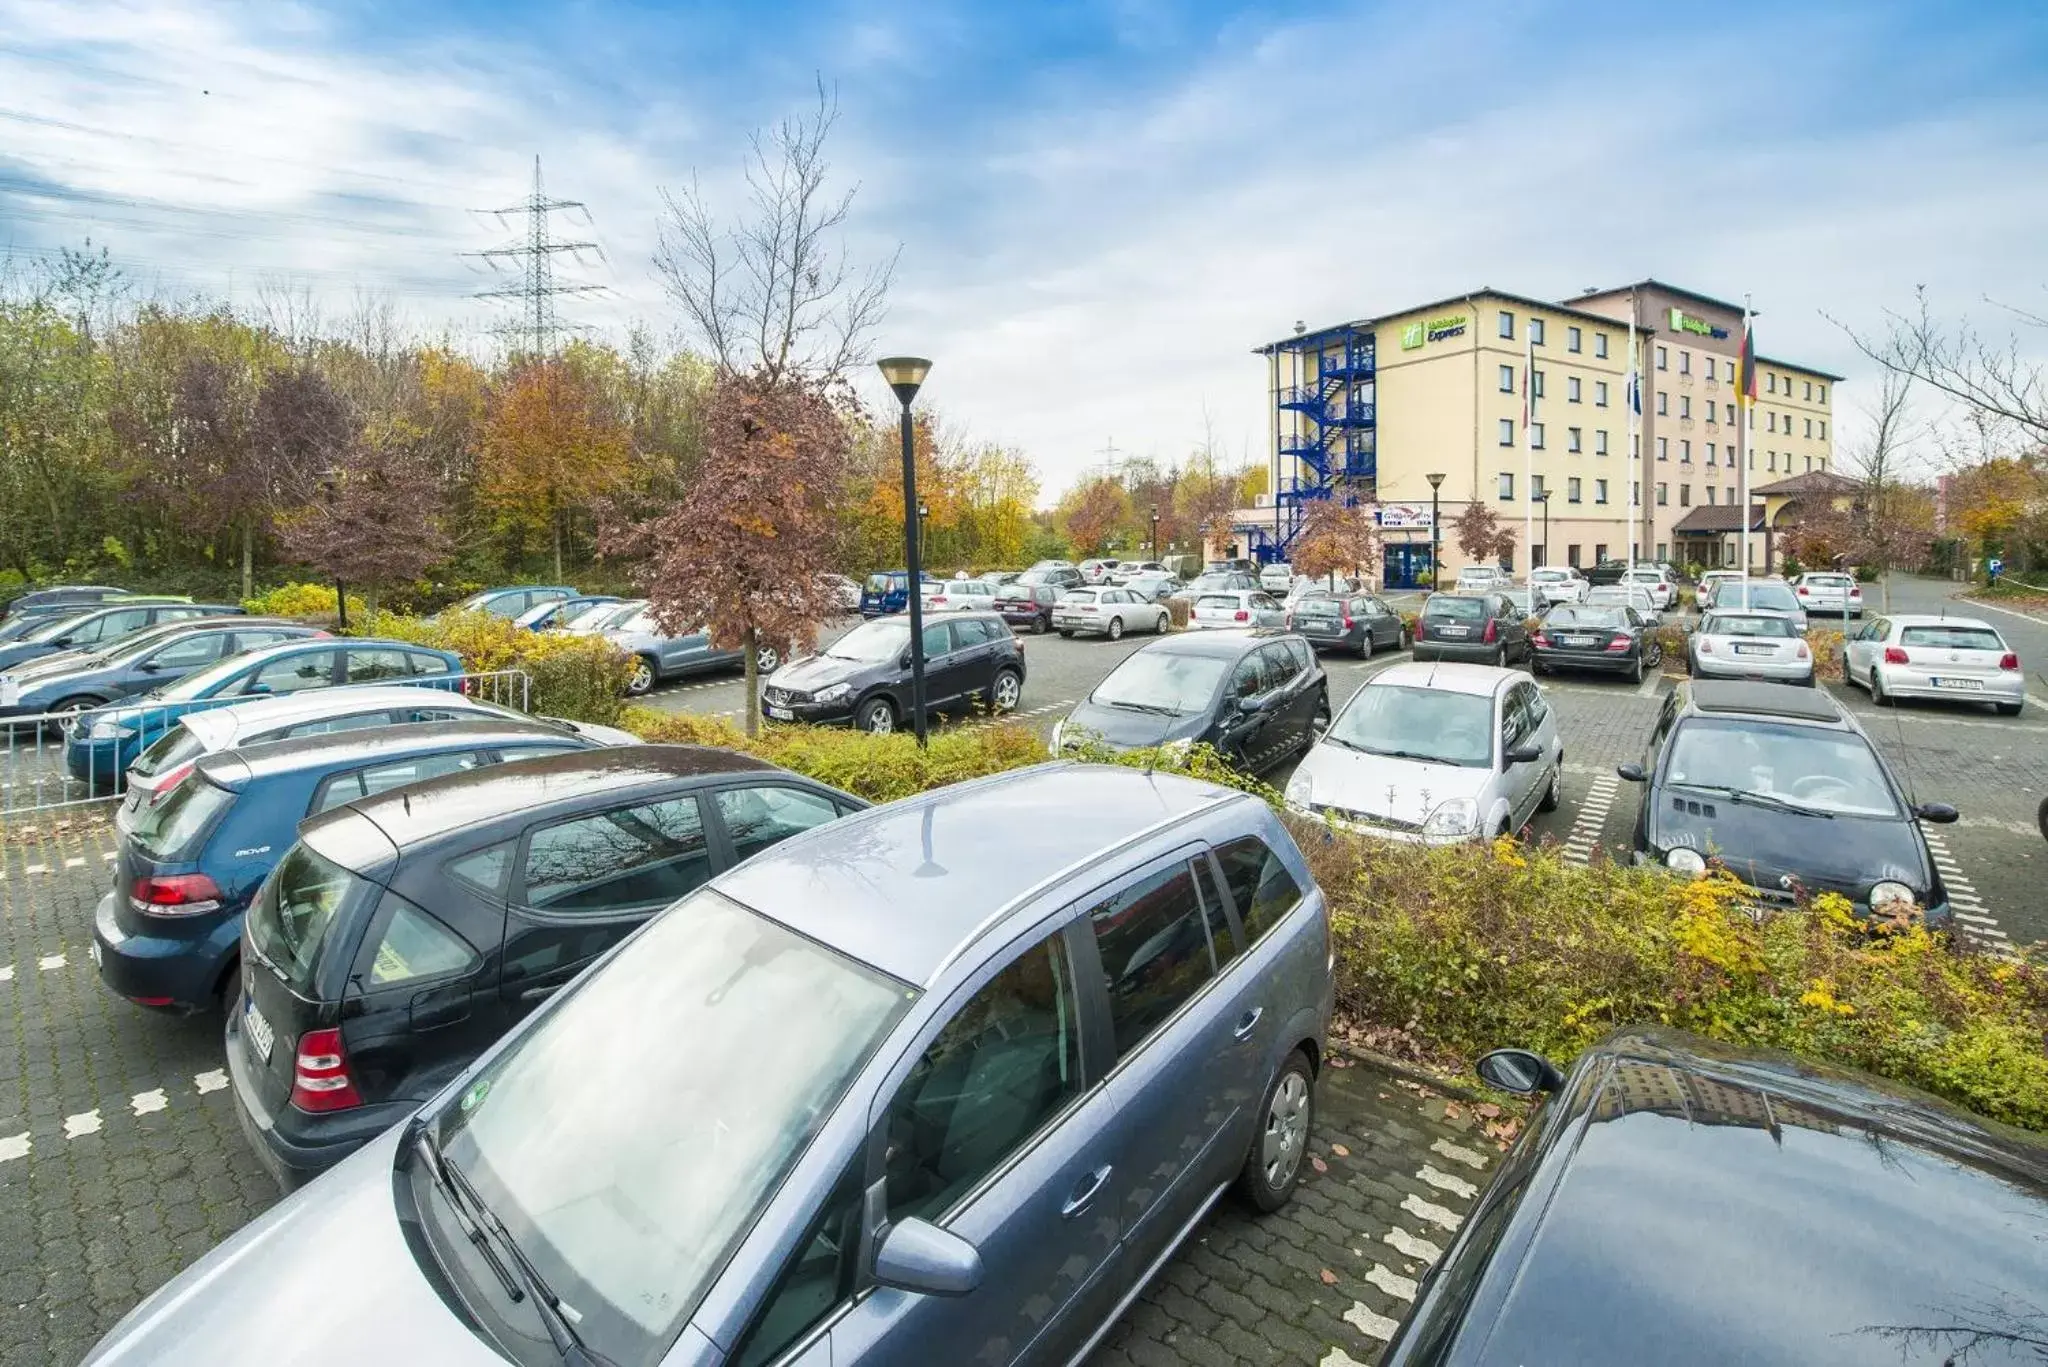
x=1101, y=207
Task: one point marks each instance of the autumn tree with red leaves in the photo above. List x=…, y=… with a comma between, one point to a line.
x=1337, y=538
x=1480, y=534
x=742, y=554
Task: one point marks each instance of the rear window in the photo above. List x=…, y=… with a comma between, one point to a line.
x=293, y=912
x=1777, y=627
x=1463, y=609
x=1319, y=607
x=1592, y=615
x=886, y=583
x=1951, y=638
x=1227, y=601
x=174, y=826
x=1829, y=581
x=1259, y=883
x=167, y=752
x=1081, y=596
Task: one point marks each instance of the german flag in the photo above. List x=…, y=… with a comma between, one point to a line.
x=1745, y=372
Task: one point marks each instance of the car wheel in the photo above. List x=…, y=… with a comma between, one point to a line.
x=1165, y=621
x=1273, y=1166
x=1040, y=625
x=1554, y=794
x=1004, y=691
x=1636, y=674
x=877, y=716
x=71, y=707
x=1537, y=667
x=767, y=659
x=1116, y=628
x=641, y=681
x=1365, y=646
x=2010, y=709
x=1320, y=722
x=1877, y=694
x=1500, y=657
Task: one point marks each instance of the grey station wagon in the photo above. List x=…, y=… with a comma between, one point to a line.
x=944, y=1081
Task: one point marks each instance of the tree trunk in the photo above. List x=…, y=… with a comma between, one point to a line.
x=248, y=558
x=555, y=524
x=753, y=677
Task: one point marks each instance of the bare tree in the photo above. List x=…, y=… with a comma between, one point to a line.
x=773, y=294
x=1881, y=505
x=1997, y=379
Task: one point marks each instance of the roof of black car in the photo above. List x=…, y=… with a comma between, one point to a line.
x=1709, y=1204
x=1228, y=642
x=455, y=801
x=237, y=766
x=1738, y=696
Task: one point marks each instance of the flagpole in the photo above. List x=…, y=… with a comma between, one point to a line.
x=1745, y=399
x=1630, y=388
x=1529, y=451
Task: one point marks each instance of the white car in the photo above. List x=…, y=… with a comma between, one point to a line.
x=1153, y=586
x=1829, y=593
x=1097, y=571
x=1236, y=608
x=1635, y=596
x=1276, y=577
x=1436, y=754
x=1559, y=584
x=1483, y=578
x=1336, y=585
x=1710, y=585
x=1917, y=656
x=1130, y=569
x=1655, y=581
x=1749, y=645
x=958, y=595
x=1109, y=611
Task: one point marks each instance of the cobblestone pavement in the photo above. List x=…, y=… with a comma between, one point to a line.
x=121, y=1162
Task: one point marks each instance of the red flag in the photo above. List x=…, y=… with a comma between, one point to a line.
x=1745, y=374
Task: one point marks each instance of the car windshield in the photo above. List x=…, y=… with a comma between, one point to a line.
x=202, y=683
x=1462, y=609
x=1037, y=577
x=887, y=583
x=1549, y=576
x=1162, y=680
x=1225, y=580
x=289, y=920
x=589, y=614
x=1618, y=597
x=1724, y=624
x=167, y=752
x=1829, y=581
x=872, y=642
x=58, y=624
x=1776, y=597
x=1322, y=606
x=1594, y=614
x=1951, y=638
x=1411, y=722
x=1081, y=596
x=171, y=828
x=628, y=1175
x=474, y=603
x=1823, y=771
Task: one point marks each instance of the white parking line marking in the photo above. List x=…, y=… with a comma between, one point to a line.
x=50, y=961
x=76, y=861
x=1431, y=1211
x=1408, y=1246
x=147, y=1103
x=1337, y=1357
x=37, y=868
x=1457, y=1153
x=6, y=973
x=1443, y=1181
x=1369, y=1324
x=1393, y=1283
x=1592, y=818
x=214, y=1081
x=82, y=1124
x=1973, y=918
x=14, y=1146
x=109, y=856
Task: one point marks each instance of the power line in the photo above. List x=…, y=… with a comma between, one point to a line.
x=537, y=289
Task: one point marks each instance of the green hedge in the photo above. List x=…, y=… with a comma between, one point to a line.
x=579, y=677
x=1445, y=953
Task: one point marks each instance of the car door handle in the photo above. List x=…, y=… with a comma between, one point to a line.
x=1248, y=1023
x=1085, y=1192
x=541, y=993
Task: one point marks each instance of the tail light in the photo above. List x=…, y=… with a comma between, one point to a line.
x=1802, y=652
x=320, y=636
x=175, y=894
x=1706, y=646
x=1288, y=622
x=469, y=689
x=1802, y=590
x=1242, y=616
x=1617, y=645
x=1540, y=641
x=1492, y=629
x=1894, y=655
x=2008, y=661
x=1855, y=593
x=320, y=1080
x=1348, y=623
x=937, y=598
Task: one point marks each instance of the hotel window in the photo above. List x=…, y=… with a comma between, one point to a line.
x=1752, y=462
x=1710, y=453
x=1773, y=460
x=1507, y=379
x=1661, y=499
x=1823, y=429
x=1536, y=332
x=1771, y=383
x=1635, y=493
x=1600, y=345
x=1535, y=436
x=1536, y=490
x=1571, y=389
x=1771, y=421
x=1809, y=427
x=1599, y=393
x=1507, y=323
x=1685, y=451
x=1571, y=339
x=1823, y=393
x=1684, y=362
x=1538, y=382
x=1731, y=413
x=1600, y=442
x=1685, y=496
x=1823, y=466
x=1571, y=555
x=1662, y=406
x=1663, y=450
x=1809, y=391
x=1731, y=371
x=1809, y=465
x=1685, y=405
x=1599, y=552
x=1507, y=485
x=1572, y=440
x=1507, y=431
x=1710, y=495
x=1661, y=359
x=1571, y=490
x=1600, y=496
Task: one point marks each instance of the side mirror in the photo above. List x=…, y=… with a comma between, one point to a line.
x=257, y=688
x=917, y=1255
x=1524, y=754
x=1521, y=1071
x=149, y=666
x=903, y=660
x=1940, y=813
x=1632, y=772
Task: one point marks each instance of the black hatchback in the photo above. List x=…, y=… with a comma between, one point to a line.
x=864, y=677
x=405, y=932
x=1604, y=638
x=1027, y=605
x=1259, y=697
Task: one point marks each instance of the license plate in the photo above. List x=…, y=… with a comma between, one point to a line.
x=781, y=714
x=1575, y=640
x=261, y=1036
x=1756, y=650
x=1959, y=683
x=1454, y=631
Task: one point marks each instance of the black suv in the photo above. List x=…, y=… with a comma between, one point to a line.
x=405, y=932
x=864, y=676
x=1784, y=788
x=1479, y=628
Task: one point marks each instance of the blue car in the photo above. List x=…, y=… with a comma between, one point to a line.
x=91, y=627
x=561, y=612
x=80, y=680
x=887, y=591
x=100, y=745
x=169, y=934
x=944, y=1081
x=512, y=602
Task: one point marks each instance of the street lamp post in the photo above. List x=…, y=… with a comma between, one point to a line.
x=329, y=477
x=1544, y=499
x=1155, y=532
x=1436, y=538
x=905, y=374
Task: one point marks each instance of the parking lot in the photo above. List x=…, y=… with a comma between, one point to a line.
x=121, y=1162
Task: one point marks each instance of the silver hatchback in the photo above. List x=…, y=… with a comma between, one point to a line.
x=1918, y=656
x=1749, y=645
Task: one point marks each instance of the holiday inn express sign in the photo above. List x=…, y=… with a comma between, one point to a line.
x=1681, y=321
x=1434, y=330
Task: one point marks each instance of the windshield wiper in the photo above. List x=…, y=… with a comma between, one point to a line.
x=555, y=1314
x=1156, y=709
x=1754, y=798
x=1342, y=743
x=1408, y=754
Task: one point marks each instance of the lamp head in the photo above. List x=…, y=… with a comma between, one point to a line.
x=1435, y=481
x=905, y=374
